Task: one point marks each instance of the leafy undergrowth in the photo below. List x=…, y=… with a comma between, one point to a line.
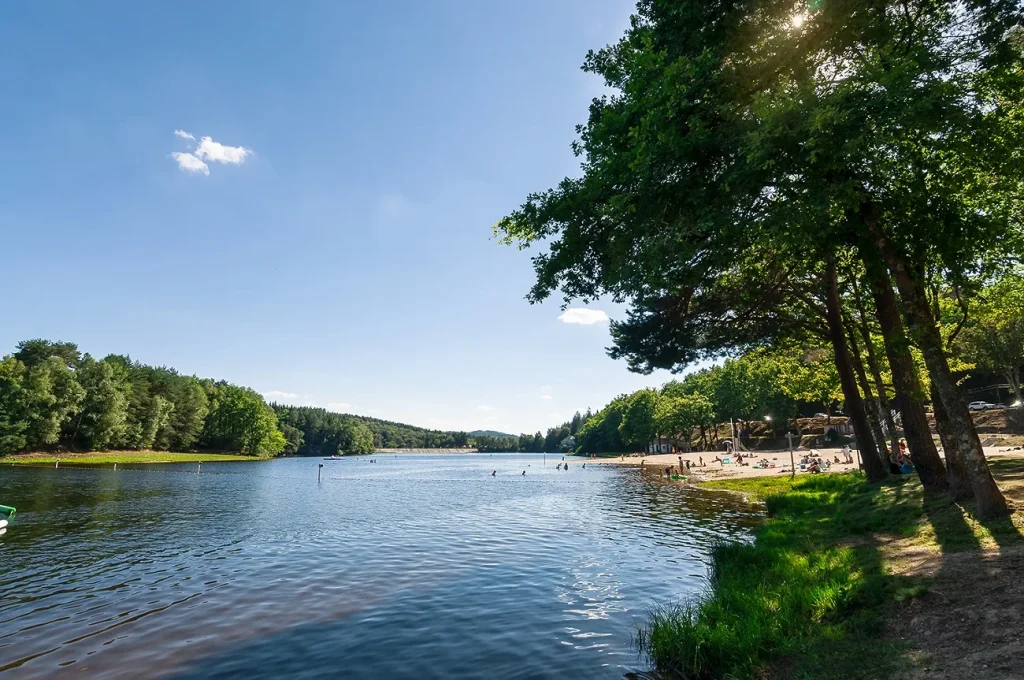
x=809, y=597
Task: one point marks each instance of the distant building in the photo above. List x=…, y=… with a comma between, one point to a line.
x=668, y=445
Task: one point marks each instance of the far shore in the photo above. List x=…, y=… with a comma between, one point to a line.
x=425, y=451
x=109, y=457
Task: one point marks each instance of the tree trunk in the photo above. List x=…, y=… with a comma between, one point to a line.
x=990, y=500
x=956, y=471
x=870, y=405
x=909, y=392
x=1013, y=377
x=854, y=404
x=876, y=371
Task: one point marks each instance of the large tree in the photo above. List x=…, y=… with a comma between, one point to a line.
x=104, y=413
x=753, y=130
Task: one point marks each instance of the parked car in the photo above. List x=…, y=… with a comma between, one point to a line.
x=980, y=406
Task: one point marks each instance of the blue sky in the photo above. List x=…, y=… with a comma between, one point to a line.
x=331, y=240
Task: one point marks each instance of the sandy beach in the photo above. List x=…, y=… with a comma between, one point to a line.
x=712, y=469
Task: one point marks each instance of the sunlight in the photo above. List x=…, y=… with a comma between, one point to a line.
x=798, y=20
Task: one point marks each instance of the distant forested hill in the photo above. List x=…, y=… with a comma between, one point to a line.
x=324, y=433
x=491, y=433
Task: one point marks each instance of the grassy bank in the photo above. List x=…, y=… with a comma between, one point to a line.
x=110, y=457
x=813, y=595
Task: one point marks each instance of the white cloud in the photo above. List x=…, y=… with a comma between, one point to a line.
x=546, y=396
x=583, y=316
x=219, y=153
x=278, y=394
x=338, y=406
x=194, y=161
x=483, y=407
x=189, y=163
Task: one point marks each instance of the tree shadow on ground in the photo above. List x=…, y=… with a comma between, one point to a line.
x=964, y=615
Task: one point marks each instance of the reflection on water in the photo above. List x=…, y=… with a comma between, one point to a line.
x=416, y=566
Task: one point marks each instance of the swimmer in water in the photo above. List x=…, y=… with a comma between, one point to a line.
x=493, y=473
x=524, y=473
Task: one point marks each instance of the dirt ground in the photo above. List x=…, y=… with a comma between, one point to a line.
x=970, y=623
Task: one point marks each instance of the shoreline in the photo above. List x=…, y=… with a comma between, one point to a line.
x=133, y=457
x=887, y=581
x=713, y=470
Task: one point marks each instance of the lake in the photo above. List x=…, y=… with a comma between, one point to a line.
x=420, y=566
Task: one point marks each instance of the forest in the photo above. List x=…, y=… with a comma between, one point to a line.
x=53, y=397
x=314, y=431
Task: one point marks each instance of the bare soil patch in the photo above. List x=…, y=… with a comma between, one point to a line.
x=970, y=621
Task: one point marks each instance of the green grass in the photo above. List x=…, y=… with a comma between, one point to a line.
x=109, y=457
x=808, y=599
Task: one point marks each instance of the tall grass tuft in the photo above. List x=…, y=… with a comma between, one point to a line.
x=785, y=592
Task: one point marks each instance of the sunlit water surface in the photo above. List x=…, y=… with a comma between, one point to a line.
x=419, y=566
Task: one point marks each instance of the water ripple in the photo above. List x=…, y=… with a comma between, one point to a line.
x=418, y=566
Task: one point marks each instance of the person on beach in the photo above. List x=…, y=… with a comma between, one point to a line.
x=894, y=465
x=680, y=463
x=847, y=455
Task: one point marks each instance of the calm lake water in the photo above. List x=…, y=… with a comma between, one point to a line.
x=420, y=566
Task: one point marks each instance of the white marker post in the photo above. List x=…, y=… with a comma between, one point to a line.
x=792, y=463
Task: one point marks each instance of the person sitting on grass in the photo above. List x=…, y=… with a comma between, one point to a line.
x=894, y=464
x=903, y=459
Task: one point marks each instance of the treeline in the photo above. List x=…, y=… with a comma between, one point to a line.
x=315, y=431
x=759, y=182
x=764, y=385
x=560, y=439
x=312, y=431
x=54, y=397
